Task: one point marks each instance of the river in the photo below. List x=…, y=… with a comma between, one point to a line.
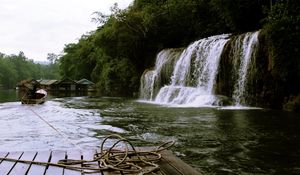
x=213, y=140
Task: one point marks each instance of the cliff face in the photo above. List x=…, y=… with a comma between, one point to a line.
x=264, y=87
x=277, y=86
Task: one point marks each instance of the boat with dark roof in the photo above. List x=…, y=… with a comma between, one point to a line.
x=38, y=97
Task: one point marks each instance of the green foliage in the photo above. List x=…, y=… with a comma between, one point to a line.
x=79, y=59
x=283, y=36
x=239, y=15
x=15, y=68
x=8, y=73
x=117, y=77
x=126, y=42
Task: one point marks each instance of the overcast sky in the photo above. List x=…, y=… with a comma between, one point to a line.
x=38, y=27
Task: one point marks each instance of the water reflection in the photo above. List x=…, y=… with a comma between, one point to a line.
x=8, y=95
x=269, y=139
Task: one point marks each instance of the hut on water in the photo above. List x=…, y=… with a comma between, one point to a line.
x=64, y=85
x=85, y=85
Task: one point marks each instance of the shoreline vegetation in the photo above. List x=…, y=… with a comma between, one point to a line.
x=126, y=42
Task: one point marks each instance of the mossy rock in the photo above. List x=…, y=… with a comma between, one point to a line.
x=292, y=104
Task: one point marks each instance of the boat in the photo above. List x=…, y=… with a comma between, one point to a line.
x=39, y=97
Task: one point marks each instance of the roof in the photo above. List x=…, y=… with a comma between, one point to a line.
x=47, y=82
x=85, y=81
x=66, y=80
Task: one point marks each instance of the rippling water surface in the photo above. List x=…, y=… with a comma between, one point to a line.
x=214, y=141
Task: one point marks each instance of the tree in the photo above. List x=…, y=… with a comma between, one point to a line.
x=52, y=57
x=14, y=68
x=283, y=36
x=239, y=15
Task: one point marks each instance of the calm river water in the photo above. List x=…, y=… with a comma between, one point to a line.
x=213, y=140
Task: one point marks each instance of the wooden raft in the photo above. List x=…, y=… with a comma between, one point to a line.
x=168, y=165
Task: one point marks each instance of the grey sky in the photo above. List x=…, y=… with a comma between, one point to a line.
x=38, y=27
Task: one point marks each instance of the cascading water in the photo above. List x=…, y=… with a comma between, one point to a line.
x=194, y=74
x=193, y=82
x=152, y=80
x=147, y=85
x=244, y=54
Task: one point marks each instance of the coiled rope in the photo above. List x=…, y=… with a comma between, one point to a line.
x=127, y=160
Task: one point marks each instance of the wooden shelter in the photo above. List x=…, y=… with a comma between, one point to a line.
x=84, y=85
x=48, y=84
x=66, y=84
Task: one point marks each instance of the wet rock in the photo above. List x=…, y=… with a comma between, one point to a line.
x=223, y=100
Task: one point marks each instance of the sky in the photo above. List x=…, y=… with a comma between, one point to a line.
x=39, y=27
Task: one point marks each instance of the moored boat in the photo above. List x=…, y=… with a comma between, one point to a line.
x=38, y=97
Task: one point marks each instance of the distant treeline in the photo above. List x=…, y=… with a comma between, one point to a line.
x=14, y=68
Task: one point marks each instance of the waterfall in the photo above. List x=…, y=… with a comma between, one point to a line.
x=244, y=53
x=152, y=80
x=194, y=74
x=189, y=77
x=147, y=84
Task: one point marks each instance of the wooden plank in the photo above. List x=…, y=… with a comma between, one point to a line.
x=75, y=155
x=42, y=156
x=173, y=165
x=89, y=155
x=3, y=155
x=22, y=168
x=6, y=166
x=55, y=157
x=159, y=173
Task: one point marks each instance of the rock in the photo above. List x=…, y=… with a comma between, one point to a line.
x=223, y=100
x=292, y=104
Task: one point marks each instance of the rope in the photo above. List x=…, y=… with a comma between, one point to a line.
x=129, y=160
x=55, y=129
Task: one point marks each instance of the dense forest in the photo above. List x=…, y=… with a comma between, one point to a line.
x=14, y=68
x=126, y=41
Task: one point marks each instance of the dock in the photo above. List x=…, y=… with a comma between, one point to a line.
x=12, y=163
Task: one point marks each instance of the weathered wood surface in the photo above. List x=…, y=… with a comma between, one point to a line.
x=21, y=168
x=42, y=156
x=169, y=164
